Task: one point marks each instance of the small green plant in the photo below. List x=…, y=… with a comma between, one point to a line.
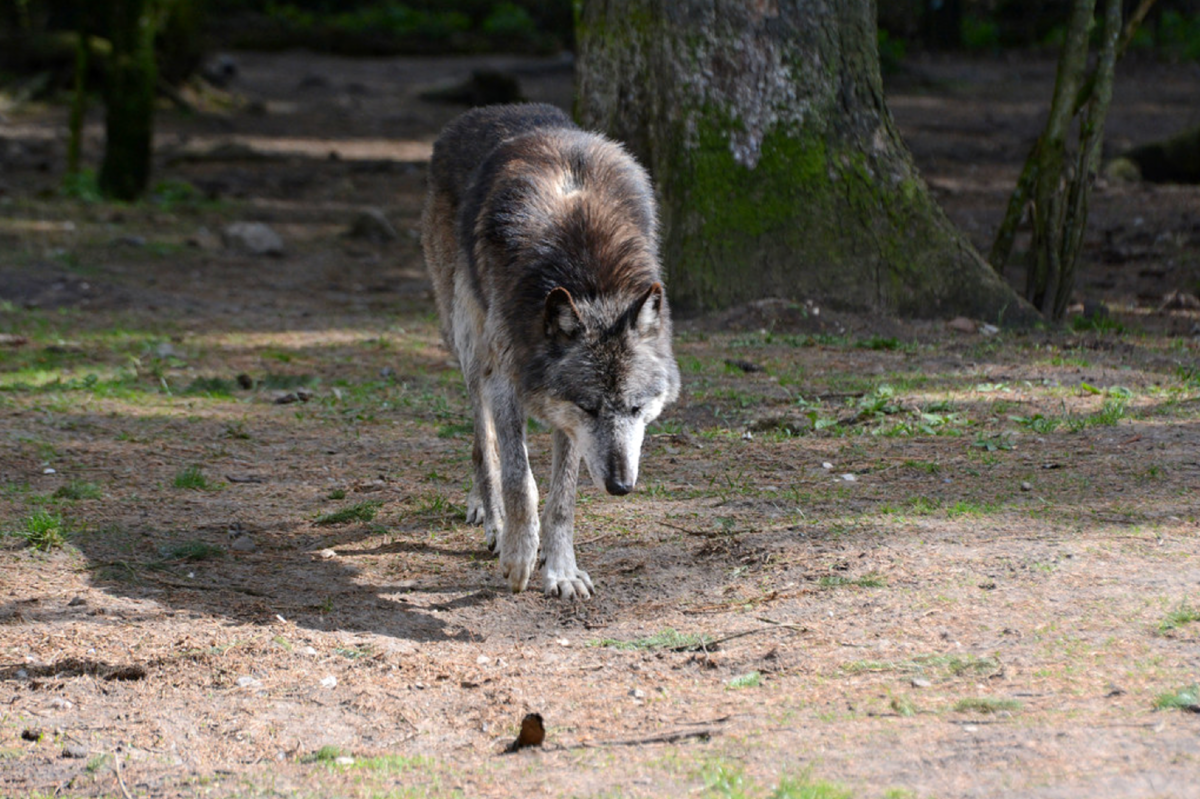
x=1187, y=698
x=986, y=705
x=192, y=478
x=360, y=512
x=191, y=551
x=337, y=493
x=326, y=754
x=667, y=639
x=78, y=489
x=1182, y=614
x=43, y=530
x=751, y=679
x=1099, y=323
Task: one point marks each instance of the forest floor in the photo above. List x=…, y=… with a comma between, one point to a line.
x=867, y=558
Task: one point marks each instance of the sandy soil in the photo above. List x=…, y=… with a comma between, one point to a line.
x=975, y=577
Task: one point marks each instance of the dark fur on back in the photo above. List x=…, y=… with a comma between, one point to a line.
x=560, y=206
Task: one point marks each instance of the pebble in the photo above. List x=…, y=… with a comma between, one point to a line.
x=243, y=543
x=326, y=554
x=918, y=682
x=329, y=682
x=344, y=760
x=638, y=695
x=253, y=238
x=61, y=704
x=1026, y=485
x=75, y=751
x=248, y=682
x=849, y=478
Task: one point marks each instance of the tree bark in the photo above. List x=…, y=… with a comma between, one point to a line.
x=778, y=167
x=129, y=101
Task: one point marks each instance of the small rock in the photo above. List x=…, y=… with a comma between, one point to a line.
x=59, y=703
x=988, y=330
x=562, y=641
x=1180, y=301
x=329, y=682
x=962, y=324
x=76, y=602
x=75, y=751
x=248, y=682
x=326, y=554
x=826, y=465
x=483, y=660
x=49, y=470
x=371, y=225
x=252, y=238
x=1026, y=485
x=849, y=478
x=920, y=682
x=344, y=760
x=308, y=650
x=638, y=694
x=243, y=543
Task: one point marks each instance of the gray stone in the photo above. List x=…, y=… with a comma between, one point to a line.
x=252, y=238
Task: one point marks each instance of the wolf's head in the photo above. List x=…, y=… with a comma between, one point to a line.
x=609, y=373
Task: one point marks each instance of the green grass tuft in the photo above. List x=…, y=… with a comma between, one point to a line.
x=1187, y=698
x=986, y=704
x=78, y=489
x=43, y=530
x=191, y=550
x=361, y=512
x=1181, y=615
x=667, y=639
x=193, y=479
x=751, y=679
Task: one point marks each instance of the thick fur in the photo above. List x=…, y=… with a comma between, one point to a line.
x=541, y=242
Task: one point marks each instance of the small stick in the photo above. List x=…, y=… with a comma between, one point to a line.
x=668, y=738
x=120, y=779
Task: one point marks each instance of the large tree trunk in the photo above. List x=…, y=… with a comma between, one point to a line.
x=778, y=167
x=129, y=100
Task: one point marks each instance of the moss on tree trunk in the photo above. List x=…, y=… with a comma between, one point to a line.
x=129, y=101
x=778, y=167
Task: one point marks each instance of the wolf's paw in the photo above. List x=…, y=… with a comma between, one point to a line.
x=493, y=536
x=573, y=584
x=517, y=572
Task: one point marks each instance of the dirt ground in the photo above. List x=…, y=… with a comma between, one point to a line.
x=867, y=557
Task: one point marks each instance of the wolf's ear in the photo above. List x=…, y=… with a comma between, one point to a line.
x=647, y=311
x=562, y=317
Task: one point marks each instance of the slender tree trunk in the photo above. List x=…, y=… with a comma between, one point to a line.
x=129, y=100
x=778, y=167
x=78, y=101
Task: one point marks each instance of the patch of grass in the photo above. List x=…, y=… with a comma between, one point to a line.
x=1042, y=425
x=1099, y=323
x=211, y=387
x=192, y=478
x=191, y=551
x=360, y=512
x=42, y=530
x=455, y=430
x=390, y=764
x=1181, y=615
x=792, y=788
x=337, y=493
x=667, y=639
x=326, y=754
x=1187, y=698
x=869, y=580
x=986, y=705
x=78, y=489
x=930, y=665
x=752, y=679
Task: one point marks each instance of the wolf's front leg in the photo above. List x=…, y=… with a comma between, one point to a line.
x=519, y=543
x=560, y=576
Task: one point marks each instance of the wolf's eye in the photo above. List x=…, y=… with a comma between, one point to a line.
x=635, y=410
x=590, y=410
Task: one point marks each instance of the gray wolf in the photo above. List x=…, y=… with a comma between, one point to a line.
x=541, y=242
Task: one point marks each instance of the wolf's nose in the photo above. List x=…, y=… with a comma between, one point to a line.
x=616, y=487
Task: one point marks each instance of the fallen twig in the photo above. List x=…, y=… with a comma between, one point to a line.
x=667, y=738
x=120, y=779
